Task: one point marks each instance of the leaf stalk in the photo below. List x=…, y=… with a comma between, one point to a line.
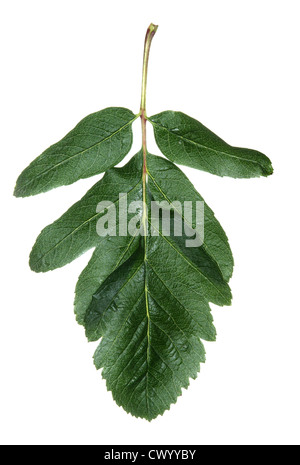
x=148, y=40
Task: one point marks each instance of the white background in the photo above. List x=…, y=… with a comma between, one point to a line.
x=233, y=65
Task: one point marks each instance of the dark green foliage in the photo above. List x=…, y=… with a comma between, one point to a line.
x=146, y=296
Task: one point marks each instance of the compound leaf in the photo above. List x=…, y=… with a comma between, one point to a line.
x=146, y=291
x=99, y=142
x=187, y=142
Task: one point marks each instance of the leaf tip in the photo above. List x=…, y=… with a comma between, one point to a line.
x=269, y=170
x=265, y=165
x=20, y=187
x=35, y=262
x=20, y=190
x=17, y=191
x=33, y=266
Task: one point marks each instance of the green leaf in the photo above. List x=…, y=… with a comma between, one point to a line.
x=75, y=232
x=148, y=299
x=169, y=183
x=151, y=313
x=151, y=291
x=147, y=289
x=186, y=141
x=99, y=142
x=150, y=349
